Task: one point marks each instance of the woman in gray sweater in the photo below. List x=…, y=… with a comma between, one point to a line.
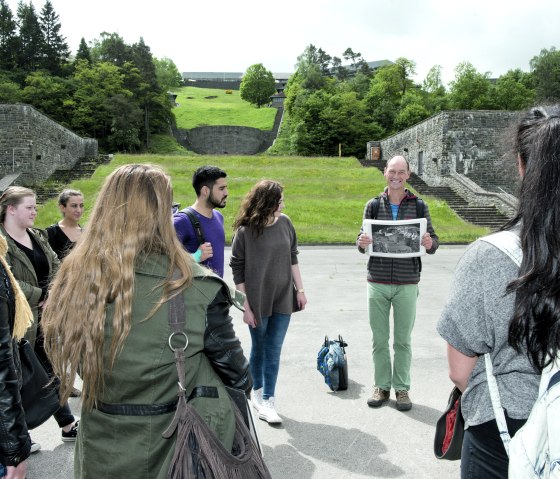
x=511, y=312
x=265, y=267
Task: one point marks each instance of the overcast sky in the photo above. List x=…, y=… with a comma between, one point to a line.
x=494, y=35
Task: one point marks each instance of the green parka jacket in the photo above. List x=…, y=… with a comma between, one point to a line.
x=115, y=444
x=25, y=273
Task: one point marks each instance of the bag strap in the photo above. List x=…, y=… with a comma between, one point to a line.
x=176, y=318
x=195, y=223
x=509, y=243
x=497, y=403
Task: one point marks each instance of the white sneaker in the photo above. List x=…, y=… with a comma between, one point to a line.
x=268, y=413
x=256, y=399
x=35, y=446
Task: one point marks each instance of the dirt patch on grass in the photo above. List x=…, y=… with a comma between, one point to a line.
x=210, y=97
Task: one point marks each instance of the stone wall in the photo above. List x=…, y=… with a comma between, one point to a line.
x=35, y=146
x=218, y=84
x=471, y=143
x=225, y=140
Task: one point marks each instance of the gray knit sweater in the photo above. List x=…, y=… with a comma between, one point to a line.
x=475, y=321
x=264, y=264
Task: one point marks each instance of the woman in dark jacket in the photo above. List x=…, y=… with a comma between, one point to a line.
x=33, y=264
x=15, y=318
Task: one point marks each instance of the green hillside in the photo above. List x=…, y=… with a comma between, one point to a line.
x=212, y=107
x=325, y=197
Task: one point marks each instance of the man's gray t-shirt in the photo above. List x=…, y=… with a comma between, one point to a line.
x=475, y=321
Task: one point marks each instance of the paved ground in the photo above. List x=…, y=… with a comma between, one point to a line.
x=328, y=434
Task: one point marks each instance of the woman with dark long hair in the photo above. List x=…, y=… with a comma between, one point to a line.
x=265, y=267
x=120, y=277
x=510, y=312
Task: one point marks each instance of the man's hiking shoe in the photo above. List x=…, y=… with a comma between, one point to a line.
x=378, y=397
x=403, y=401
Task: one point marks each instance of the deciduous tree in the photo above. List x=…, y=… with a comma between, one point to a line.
x=546, y=72
x=470, y=90
x=167, y=74
x=514, y=91
x=257, y=85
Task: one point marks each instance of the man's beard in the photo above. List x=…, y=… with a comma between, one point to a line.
x=213, y=203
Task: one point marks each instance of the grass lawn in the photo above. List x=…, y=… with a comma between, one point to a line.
x=212, y=107
x=325, y=197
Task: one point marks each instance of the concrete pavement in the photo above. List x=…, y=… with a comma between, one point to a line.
x=328, y=434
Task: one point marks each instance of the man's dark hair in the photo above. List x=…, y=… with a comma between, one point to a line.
x=206, y=175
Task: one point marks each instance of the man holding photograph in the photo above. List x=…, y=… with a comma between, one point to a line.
x=394, y=282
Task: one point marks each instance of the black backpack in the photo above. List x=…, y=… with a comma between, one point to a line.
x=195, y=223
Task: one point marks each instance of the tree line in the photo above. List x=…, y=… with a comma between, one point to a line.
x=328, y=104
x=110, y=90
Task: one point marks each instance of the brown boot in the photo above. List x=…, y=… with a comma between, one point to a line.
x=403, y=401
x=378, y=397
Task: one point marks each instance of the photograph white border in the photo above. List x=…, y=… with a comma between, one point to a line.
x=367, y=228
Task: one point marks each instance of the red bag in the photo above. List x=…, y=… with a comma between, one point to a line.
x=450, y=428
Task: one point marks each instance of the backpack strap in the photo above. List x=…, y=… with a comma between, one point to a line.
x=375, y=207
x=554, y=380
x=509, y=243
x=376, y=201
x=195, y=223
x=419, y=208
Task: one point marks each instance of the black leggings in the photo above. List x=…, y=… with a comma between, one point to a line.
x=63, y=416
x=483, y=455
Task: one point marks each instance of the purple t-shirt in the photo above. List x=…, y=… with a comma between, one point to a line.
x=213, y=232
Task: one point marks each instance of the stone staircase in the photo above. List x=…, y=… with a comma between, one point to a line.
x=488, y=216
x=60, y=178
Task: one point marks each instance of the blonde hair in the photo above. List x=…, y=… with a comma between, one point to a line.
x=132, y=216
x=13, y=196
x=24, y=316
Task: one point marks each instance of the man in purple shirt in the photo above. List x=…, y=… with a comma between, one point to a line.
x=210, y=186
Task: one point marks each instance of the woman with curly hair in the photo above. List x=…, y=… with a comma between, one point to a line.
x=265, y=267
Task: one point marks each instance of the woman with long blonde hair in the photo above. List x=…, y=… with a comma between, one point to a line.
x=33, y=264
x=110, y=323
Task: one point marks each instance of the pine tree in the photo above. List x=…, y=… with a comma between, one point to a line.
x=84, y=52
x=31, y=38
x=55, y=48
x=8, y=38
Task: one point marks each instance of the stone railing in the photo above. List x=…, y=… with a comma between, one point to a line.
x=475, y=195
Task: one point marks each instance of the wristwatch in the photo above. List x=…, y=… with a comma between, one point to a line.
x=301, y=290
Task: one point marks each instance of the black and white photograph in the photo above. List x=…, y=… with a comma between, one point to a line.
x=396, y=239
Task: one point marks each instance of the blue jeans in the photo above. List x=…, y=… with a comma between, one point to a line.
x=3, y=471
x=267, y=340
